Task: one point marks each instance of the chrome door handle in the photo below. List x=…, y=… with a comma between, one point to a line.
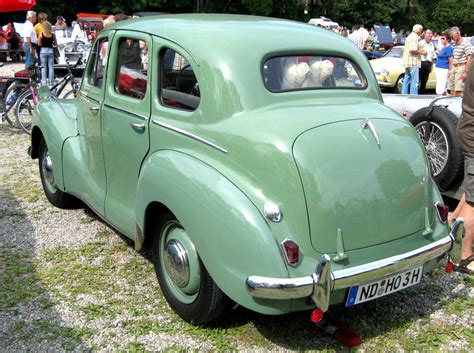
x=138, y=126
x=94, y=109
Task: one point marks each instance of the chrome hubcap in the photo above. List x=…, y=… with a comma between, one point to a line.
x=176, y=263
x=47, y=166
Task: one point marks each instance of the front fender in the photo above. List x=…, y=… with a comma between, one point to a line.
x=55, y=121
x=231, y=236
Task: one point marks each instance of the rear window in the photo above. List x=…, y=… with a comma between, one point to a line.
x=288, y=73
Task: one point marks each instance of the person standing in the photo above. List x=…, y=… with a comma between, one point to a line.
x=465, y=208
x=356, y=37
x=411, y=61
x=60, y=23
x=38, y=30
x=426, y=60
x=462, y=53
x=30, y=40
x=365, y=35
x=46, y=40
x=443, y=63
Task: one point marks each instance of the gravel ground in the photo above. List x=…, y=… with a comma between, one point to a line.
x=68, y=282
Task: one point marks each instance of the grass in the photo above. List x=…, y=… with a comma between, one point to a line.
x=112, y=293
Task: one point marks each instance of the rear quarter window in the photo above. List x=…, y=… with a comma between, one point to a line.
x=299, y=72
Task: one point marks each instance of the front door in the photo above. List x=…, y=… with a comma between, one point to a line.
x=125, y=116
x=91, y=185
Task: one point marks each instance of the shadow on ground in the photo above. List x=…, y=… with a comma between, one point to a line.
x=29, y=320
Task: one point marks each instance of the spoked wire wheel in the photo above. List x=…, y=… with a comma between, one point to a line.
x=24, y=111
x=436, y=145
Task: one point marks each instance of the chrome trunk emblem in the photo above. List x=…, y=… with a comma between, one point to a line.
x=367, y=124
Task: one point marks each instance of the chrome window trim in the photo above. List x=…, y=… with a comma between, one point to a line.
x=141, y=117
x=189, y=134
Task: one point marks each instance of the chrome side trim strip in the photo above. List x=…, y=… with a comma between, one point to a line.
x=188, y=134
x=141, y=117
x=291, y=288
x=83, y=95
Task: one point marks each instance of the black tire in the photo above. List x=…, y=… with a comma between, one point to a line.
x=197, y=301
x=398, y=85
x=57, y=197
x=24, y=111
x=442, y=147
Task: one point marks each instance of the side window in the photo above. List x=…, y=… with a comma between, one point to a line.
x=98, y=58
x=179, y=87
x=132, y=68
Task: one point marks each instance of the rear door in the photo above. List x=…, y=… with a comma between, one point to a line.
x=125, y=116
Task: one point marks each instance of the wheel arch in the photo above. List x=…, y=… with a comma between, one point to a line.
x=36, y=136
x=231, y=236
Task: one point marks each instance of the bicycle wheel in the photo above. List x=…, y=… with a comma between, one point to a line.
x=9, y=99
x=68, y=93
x=24, y=111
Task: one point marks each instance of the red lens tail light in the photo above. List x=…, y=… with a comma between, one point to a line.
x=442, y=210
x=292, y=251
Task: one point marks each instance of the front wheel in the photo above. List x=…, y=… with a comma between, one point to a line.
x=24, y=111
x=399, y=85
x=184, y=281
x=57, y=197
x=442, y=147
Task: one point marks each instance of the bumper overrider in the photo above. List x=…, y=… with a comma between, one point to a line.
x=323, y=281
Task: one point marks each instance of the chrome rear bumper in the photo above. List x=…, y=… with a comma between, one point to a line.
x=319, y=284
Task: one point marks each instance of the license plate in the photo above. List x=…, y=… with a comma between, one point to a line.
x=380, y=288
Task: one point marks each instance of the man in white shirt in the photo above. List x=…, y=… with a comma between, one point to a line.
x=30, y=41
x=356, y=37
x=426, y=60
x=364, y=33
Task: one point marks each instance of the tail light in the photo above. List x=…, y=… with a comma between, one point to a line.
x=316, y=316
x=292, y=251
x=442, y=210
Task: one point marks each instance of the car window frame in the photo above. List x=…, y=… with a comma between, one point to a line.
x=266, y=58
x=191, y=63
x=114, y=98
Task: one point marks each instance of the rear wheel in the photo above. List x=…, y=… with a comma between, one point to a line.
x=24, y=111
x=184, y=281
x=57, y=197
x=441, y=145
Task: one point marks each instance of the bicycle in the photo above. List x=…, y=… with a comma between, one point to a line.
x=12, y=92
x=29, y=98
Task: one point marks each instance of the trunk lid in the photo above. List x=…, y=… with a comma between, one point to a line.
x=370, y=193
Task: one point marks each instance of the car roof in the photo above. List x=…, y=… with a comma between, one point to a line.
x=208, y=34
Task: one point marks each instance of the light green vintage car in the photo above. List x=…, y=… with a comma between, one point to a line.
x=254, y=157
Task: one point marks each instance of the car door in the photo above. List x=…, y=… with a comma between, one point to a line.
x=125, y=116
x=91, y=186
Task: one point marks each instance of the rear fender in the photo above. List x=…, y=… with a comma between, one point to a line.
x=55, y=121
x=230, y=235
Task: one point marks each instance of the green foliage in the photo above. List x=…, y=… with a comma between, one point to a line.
x=435, y=14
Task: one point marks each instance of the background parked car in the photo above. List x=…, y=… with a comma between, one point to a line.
x=389, y=70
